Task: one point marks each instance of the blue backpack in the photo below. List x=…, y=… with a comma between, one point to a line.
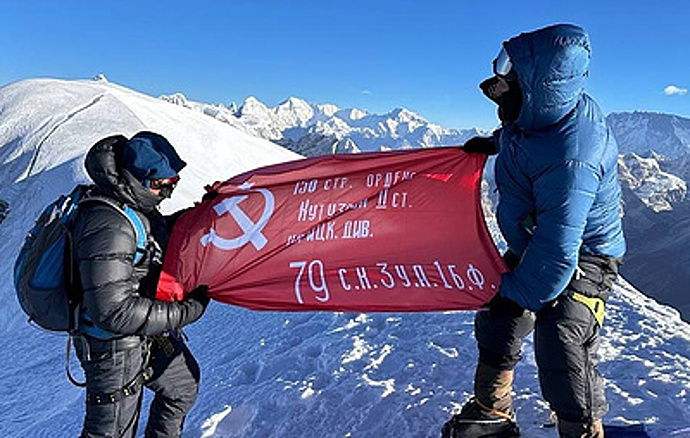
x=45, y=278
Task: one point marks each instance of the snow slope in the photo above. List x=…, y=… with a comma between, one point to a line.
x=347, y=375
x=46, y=127
x=270, y=374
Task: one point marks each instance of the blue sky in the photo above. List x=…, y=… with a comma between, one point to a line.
x=428, y=56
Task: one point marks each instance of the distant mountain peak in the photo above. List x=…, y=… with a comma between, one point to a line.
x=293, y=112
x=658, y=190
x=405, y=115
x=642, y=132
x=293, y=102
x=296, y=122
x=351, y=114
x=251, y=104
x=327, y=109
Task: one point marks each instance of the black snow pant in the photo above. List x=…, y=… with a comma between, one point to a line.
x=566, y=339
x=114, y=382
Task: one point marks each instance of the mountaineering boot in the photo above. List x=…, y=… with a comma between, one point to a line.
x=577, y=429
x=490, y=413
x=477, y=421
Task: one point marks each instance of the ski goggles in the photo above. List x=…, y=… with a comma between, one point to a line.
x=502, y=64
x=161, y=183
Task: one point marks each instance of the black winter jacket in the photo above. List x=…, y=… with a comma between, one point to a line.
x=118, y=296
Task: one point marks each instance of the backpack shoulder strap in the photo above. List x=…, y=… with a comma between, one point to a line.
x=131, y=216
x=139, y=230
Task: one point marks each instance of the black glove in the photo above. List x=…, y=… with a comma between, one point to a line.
x=194, y=305
x=171, y=219
x=511, y=260
x=200, y=294
x=480, y=145
x=502, y=306
x=210, y=194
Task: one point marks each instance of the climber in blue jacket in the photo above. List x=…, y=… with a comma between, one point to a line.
x=559, y=212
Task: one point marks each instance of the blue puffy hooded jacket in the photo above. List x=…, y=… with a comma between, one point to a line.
x=556, y=169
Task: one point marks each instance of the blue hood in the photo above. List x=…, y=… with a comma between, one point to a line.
x=552, y=66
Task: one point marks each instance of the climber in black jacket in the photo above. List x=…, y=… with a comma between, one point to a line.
x=126, y=338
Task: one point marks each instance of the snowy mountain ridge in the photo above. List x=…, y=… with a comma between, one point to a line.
x=266, y=374
x=655, y=173
x=662, y=139
x=659, y=190
x=316, y=129
x=655, y=146
x=642, y=132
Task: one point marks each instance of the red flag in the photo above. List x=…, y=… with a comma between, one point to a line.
x=388, y=231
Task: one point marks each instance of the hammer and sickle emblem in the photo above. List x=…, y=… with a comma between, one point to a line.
x=252, y=231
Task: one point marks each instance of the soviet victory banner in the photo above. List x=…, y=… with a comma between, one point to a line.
x=389, y=231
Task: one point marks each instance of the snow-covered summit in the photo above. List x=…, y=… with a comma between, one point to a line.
x=659, y=190
x=284, y=374
x=350, y=114
x=294, y=112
